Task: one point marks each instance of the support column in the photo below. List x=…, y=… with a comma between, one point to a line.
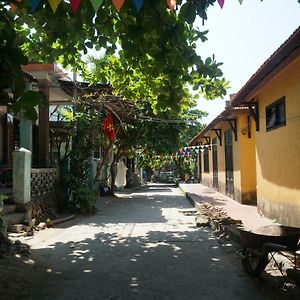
x=43, y=131
x=21, y=175
x=25, y=133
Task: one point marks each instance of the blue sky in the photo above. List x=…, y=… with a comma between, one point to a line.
x=243, y=37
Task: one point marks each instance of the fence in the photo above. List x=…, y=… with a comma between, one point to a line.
x=43, y=181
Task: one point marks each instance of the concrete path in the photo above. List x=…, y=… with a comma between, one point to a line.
x=248, y=214
x=138, y=246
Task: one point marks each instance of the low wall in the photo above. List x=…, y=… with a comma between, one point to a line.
x=43, y=183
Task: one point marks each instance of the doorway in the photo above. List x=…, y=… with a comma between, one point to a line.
x=229, y=163
x=215, y=163
x=200, y=166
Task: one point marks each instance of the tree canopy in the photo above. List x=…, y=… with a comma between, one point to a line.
x=155, y=44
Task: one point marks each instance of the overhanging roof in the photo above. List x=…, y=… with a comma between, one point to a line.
x=289, y=47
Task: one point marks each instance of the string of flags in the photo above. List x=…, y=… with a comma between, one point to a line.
x=185, y=153
x=118, y=4
x=75, y=4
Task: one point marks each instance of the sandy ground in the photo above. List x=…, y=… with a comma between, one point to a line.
x=137, y=246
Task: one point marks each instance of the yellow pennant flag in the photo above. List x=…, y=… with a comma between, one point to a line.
x=118, y=4
x=54, y=4
x=171, y=4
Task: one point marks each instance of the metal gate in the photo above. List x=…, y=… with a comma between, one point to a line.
x=229, y=163
x=215, y=162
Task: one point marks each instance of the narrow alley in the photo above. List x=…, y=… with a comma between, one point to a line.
x=138, y=245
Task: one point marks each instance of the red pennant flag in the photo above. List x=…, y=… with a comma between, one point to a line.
x=108, y=127
x=75, y=5
x=171, y=4
x=118, y=4
x=221, y=3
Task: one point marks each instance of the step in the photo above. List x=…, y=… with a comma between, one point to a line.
x=8, y=209
x=14, y=218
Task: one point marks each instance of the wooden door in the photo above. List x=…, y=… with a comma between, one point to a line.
x=215, y=163
x=229, y=163
x=200, y=165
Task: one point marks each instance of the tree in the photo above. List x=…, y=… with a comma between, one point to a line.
x=155, y=42
x=13, y=91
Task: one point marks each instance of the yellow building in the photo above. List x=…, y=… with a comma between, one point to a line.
x=266, y=154
x=274, y=93
x=227, y=160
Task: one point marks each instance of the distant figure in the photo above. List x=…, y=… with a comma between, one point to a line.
x=145, y=176
x=120, y=180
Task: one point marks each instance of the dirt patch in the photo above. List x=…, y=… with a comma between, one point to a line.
x=217, y=214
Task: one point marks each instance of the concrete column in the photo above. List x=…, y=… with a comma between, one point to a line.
x=21, y=175
x=25, y=133
x=43, y=135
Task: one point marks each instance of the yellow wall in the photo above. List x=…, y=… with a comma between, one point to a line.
x=243, y=157
x=278, y=150
x=247, y=160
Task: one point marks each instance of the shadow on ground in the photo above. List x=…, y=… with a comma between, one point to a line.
x=119, y=255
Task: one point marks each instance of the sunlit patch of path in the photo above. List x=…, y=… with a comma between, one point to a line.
x=137, y=246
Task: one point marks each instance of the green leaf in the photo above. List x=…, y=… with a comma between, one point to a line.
x=31, y=99
x=30, y=113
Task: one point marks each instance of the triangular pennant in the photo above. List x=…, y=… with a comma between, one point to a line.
x=34, y=4
x=241, y=1
x=138, y=4
x=75, y=5
x=54, y=4
x=221, y=3
x=118, y=4
x=171, y=4
x=96, y=4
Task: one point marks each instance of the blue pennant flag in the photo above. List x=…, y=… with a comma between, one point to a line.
x=138, y=4
x=34, y=4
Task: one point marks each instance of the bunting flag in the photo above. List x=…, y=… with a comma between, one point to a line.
x=118, y=4
x=54, y=4
x=138, y=4
x=108, y=127
x=75, y=5
x=34, y=4
x=171, y=4
x=221, y=3
x=241, y=1
x=96, y=4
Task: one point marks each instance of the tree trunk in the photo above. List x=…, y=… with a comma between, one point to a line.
x=113, y=178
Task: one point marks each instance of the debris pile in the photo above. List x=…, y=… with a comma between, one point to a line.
x=7, y=247
x=216, y=214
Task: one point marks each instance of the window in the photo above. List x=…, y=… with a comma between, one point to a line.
x=275, y=114
x=206, y=160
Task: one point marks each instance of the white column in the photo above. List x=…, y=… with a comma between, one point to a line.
x=21, y=175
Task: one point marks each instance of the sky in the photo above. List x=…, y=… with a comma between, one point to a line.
x=243, y=37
